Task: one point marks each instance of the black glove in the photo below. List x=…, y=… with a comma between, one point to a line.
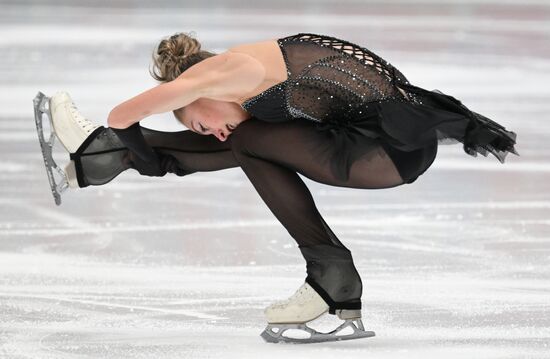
x=154, y=168
x=132, y=138
x=143, y=158
x=170, y=164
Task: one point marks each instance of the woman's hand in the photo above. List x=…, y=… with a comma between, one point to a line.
x=171, y=165
x=154, y=168
x=164, y=164
x=143, y=157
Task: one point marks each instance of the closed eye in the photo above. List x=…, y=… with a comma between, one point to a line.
x=203, y=130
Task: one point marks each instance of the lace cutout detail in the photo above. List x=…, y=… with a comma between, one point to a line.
x=364, y=55
x=329, y=79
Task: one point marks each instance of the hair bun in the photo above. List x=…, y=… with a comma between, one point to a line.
x=176, y=54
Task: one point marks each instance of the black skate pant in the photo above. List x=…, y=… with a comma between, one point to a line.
x=272, y=155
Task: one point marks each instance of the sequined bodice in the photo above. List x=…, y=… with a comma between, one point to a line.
x=328, y=79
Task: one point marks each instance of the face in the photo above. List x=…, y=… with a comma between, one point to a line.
x=211, y=117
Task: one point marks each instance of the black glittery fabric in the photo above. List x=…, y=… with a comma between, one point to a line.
x=357, y=96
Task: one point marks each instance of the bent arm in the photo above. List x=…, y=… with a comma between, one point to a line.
x=224, y=77
x=162, y=98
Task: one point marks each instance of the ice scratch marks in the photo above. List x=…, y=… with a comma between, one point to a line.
x=82, y=227
x=47, y=213
x=110, y=305
x=45, y=216
x=219, y=300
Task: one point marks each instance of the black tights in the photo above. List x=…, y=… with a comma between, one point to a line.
x=271, y=156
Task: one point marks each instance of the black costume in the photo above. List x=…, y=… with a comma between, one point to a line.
x=335, y=120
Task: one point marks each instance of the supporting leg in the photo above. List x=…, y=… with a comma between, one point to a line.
x=271, y=156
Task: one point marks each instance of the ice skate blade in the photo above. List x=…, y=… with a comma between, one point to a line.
x=40, y=101
x=273, y=333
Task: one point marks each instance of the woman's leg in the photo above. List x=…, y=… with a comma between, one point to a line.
x=104, y=157
x=271, y=155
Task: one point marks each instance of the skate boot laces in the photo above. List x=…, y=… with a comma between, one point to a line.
x=84, y=123
x=300, y=296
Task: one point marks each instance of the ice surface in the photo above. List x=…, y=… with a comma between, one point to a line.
x=456, y=265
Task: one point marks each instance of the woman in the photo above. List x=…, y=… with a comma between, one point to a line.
x=305, y=104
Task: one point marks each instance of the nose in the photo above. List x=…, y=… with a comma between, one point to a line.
x=221, y=135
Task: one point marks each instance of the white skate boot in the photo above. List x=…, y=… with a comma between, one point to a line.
x=304, y=306
x=72, y=129
x=69, y=125
x=301, y=307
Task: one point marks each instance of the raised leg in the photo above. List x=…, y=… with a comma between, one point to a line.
x=102, y=157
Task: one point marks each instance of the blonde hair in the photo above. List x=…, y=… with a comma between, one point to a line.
x=174, y=55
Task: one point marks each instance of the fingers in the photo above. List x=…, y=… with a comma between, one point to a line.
x=168, y=163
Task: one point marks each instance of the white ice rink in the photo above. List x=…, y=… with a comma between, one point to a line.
x=456, y=265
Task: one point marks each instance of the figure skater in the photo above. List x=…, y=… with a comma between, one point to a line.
x=307, y=104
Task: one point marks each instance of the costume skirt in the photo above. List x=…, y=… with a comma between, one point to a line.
x=410, y=131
